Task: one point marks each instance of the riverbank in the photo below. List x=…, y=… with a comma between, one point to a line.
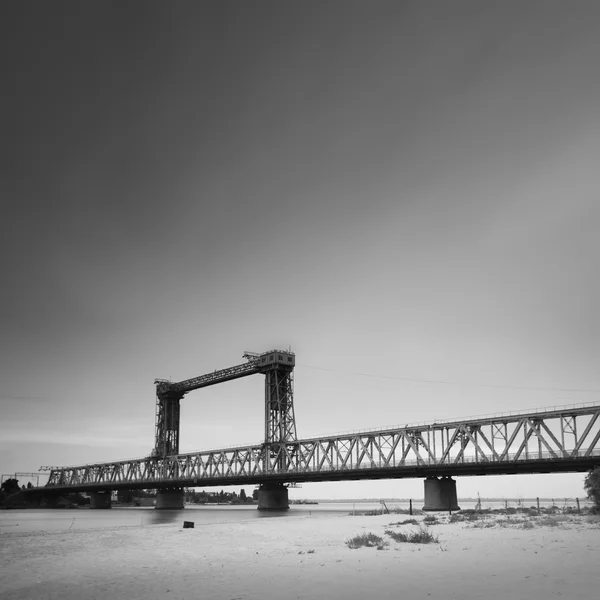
x=496, y=556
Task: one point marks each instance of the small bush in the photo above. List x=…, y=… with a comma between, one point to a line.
x=364, y=539
x=422, y=536
x=528, y=525
x=397, y=536
x=456, y=518
x=430, y=519
x=482, y=524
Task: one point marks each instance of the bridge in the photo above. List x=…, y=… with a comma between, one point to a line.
x=559, y=439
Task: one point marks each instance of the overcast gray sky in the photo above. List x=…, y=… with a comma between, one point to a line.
x=405, y=190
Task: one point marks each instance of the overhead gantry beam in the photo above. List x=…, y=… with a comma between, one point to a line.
x=166, y=388
x=169, y=394
x=276, y=365
x=558, y=440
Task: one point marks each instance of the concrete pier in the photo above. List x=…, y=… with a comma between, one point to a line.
x=170, y=498
x=440, y=494
x=273, y=496
x=100, y=500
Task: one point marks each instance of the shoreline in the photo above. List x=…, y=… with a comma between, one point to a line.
x=307, y=557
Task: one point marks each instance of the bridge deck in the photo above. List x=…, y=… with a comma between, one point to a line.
x=557, y=440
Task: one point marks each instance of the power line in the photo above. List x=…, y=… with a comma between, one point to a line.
x=457, y=383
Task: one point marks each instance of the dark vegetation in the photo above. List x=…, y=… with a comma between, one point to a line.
x=473, y=515
x=221, y=497
x=14, y=496
x=191, y=496
x=9, y=488
x=368, y=540
x=422, y=536
x=133, y=496
x=592, y=488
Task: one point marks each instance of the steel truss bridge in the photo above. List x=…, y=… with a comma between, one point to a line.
x=565, y=439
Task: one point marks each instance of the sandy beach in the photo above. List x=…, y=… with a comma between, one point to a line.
x=305, y=558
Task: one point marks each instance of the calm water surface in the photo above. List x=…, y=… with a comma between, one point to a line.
x=14, y=521
x=84, y=518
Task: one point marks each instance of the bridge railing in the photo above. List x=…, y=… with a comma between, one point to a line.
x=510, y=458
x=357, y=432
x=438, y=422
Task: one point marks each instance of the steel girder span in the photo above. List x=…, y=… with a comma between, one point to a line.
x=557, y=440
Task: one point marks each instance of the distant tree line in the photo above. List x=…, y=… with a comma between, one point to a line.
x=131, y=495
x=10, y=496
x=194, y=497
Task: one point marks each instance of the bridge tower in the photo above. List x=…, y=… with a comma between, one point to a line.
x=280, y=422
x=280, y=425
x=167, y=421
x=167, y=440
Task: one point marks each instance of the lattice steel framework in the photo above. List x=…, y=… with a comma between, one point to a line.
x=167, y=424
x=280, y=426
x=558, y=440
x=280, y=423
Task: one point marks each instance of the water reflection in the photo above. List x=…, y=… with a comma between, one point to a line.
x=216, y=514
x=160, y=517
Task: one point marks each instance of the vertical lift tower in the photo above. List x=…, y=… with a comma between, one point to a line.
x=280, y=425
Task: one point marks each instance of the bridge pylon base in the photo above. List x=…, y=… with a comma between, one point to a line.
x=440, y=494
x=100, y=500
x=170, y=498
x=273, y=497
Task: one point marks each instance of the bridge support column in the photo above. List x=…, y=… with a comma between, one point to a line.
x=100, y=500
x=273, y=496
x=440, y=494
x=169, y=498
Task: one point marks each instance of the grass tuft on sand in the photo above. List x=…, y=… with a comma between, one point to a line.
x=368, y=540
x=422, y=536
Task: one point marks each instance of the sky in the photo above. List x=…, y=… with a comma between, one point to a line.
x=404, y=193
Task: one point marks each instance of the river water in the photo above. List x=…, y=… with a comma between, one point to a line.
x=31, y=520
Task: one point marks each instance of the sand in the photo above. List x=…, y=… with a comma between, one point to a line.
x=306, y=558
